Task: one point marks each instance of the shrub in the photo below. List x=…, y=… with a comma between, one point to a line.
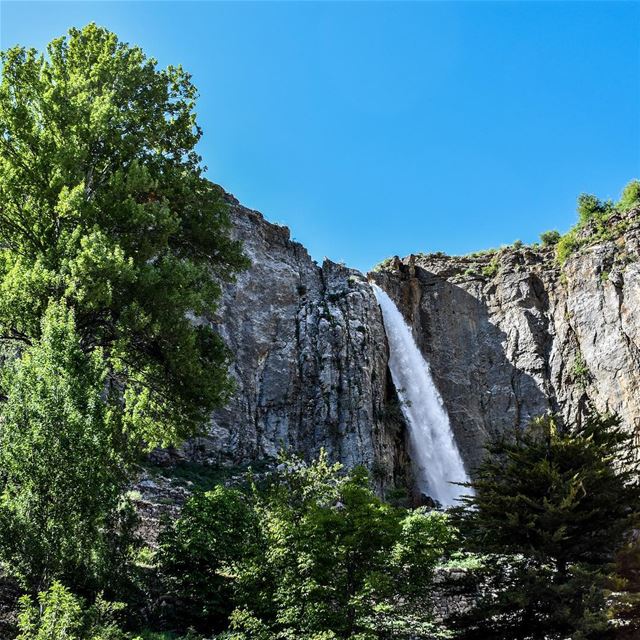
x=490, y=270
x=60, y=615
x=567, y=245
x=588, y=207
x=384, y=265
x=630, y=196
x=550, y=238
x=579, y=371
x=337, y=562
x=198, y=552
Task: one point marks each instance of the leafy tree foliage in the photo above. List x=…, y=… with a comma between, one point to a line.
x=595, y=216
x=589, y=206
x=630, y=196
x=337, y=562
x=550, y=238
x=549, y=509
x=103, y=205
x=59, y=615
x=197, y=553
x=60, y=472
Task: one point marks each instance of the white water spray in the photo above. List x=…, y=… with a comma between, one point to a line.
x=433, y=448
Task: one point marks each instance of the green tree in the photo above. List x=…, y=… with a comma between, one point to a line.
x=625, y=587
x=588, y=207
x=550, y=238
x=103, y=204
x=61, y=476
x=630, y=196
x=60, y=615
x=198, y=554
x=550, y=508
x=336, y=561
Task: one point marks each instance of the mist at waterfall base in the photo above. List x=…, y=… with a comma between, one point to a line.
x=436, y=457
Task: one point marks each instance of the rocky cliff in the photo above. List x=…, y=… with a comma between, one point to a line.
x=309, y=361
x=509, y=335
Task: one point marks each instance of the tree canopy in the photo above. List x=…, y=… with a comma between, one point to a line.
x=60, y=468
x=103, y=205
x=318, y=555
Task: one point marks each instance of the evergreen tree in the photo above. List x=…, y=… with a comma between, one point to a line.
x=103, y=205
x=548, y=511
x=625, y=587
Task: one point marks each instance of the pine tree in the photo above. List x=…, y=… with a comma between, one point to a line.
x=549, y=509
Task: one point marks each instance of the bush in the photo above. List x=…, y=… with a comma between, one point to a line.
x=198, y=553
x=588, y=207
x=579, y=371
x=337, y=562
x=311, y=553
x=59, y=615
x=550, y=238
x=567, y=245
x=630, y=196
x=595, y=223
x=490, y=270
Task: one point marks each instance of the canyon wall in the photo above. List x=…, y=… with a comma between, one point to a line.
x=309, y=361
x=509, y=335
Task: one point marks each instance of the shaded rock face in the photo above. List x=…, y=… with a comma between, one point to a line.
x=509, y=336
x=309, y=361
x=512, y=336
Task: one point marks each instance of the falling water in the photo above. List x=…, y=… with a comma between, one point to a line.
x=433, y=449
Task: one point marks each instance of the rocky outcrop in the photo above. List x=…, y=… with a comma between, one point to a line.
x=309, y=360
x=512, y=335
x=509, y=335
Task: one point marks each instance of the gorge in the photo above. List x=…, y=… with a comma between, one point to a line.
x=509, y=335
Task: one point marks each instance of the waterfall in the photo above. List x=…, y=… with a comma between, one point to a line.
x=433, y=449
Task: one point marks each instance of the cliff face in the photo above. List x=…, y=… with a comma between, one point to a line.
x=309, y=360
x=512, y=335
x=509, y=336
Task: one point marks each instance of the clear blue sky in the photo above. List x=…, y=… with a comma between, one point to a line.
x=374, y=129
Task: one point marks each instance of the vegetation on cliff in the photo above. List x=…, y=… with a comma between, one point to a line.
x=598, y=221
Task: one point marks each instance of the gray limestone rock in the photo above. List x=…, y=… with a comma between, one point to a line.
x=508, y=335
x=309, y=361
